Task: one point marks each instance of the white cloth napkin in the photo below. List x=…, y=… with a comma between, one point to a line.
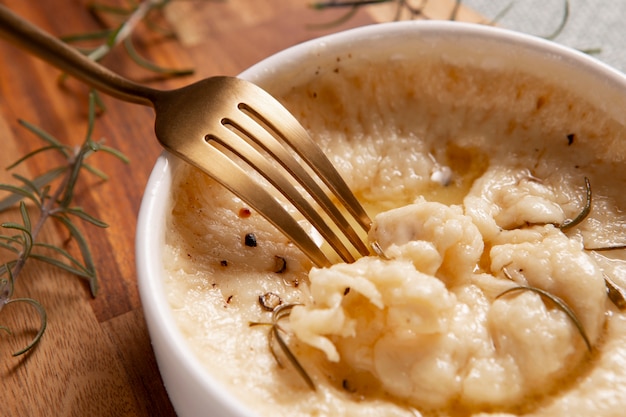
x=592, y=24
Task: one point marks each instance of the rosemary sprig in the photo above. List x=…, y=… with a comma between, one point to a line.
x=51, y=195
x=132, y=15
x=42, y=328
x=562, y=24
x=615, y=293
x=353, y=6
x=407, y=9
x=275, y=336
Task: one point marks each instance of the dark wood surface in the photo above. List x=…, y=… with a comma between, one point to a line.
x=95, y=358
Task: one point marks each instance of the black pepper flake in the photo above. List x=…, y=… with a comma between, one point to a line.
x=229, y=299
x=224, y=262
x=280, y=264
x=570, y=139
x=346, y=291
x=250, y=240
x=345, y=384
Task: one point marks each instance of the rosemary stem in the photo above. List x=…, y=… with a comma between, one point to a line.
x=126, y=29
x=47, y=208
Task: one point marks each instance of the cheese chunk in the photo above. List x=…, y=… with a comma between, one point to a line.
x=434, y=331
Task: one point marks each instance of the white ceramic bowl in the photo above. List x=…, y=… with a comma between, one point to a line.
x=193, y=391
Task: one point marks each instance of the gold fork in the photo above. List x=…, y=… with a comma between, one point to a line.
x=207, y=122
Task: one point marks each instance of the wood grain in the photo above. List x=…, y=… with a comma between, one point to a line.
x=95, y=357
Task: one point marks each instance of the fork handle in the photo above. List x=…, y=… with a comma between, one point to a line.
x=52, y=50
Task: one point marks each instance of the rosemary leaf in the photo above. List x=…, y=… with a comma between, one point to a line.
x=31, y=154
x=45, y=136
x=8, y=285
x=28, y=234
x=270, y=343
x=455, y=10
x=274, y=336
x=292, y=358
x=559, y=302
x=116, y=153
x=49, y=176
x=9, y=247
x=41, y=181
x=27, y=237
x=564, y=20
x=75, y=168
x=97, y=35
x=130, y=48
x=18, y=193
x=95, y=171
x=591, y=51
x=79, y=272
x=80, y=213
x=568, y=224
x=91, y=116
x=85, y=251
x=339, y=21
x=16, y=226
x=30, y=185
x=282, y=311
x=6, y=267
x=502, y=13
x=42, y=328
x=99, y=102
x=335, y=4
x=64, y=253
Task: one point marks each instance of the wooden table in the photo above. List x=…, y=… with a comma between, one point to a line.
x=95, y=358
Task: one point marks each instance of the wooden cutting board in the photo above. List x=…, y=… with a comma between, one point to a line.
x=95, y=358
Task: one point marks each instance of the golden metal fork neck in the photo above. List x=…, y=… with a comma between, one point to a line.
x=68, y=59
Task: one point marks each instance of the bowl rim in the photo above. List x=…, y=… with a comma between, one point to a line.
x=526, y=45
x=174, y=357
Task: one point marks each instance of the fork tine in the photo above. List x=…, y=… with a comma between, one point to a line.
x=255, y=132
x=293, y=133
x=238, y=181
x=187, y=125
x=294, y=137
x=237, y=145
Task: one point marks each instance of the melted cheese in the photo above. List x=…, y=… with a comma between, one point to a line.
x=423, y=332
